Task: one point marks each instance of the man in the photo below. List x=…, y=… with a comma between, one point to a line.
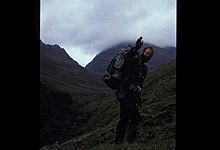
x=129, y=91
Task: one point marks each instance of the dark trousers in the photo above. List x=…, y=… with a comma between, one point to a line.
x=129, y=118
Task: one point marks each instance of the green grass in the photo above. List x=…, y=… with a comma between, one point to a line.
x=134, y=146
x=124, y=146
x=96, y=125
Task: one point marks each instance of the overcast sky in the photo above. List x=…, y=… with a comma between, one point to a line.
x=85, y=27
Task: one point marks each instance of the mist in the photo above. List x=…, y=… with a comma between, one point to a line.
x=85, y=28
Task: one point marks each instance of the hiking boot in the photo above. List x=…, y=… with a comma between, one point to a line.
x=131, y=133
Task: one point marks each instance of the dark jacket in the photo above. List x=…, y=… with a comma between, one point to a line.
x=133, y=77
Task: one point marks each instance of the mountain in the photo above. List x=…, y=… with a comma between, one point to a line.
x=65, y=88
x=61, y=72
x=157, y=130
x=101, y=61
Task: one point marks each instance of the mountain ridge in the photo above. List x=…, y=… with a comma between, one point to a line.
x=65, y=88
x=101, y=60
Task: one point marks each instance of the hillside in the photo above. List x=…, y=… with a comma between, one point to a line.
x=96, y=127
x=101, y=61
x=65, y=88
x=61, y=72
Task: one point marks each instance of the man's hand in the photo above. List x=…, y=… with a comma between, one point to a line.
x=139, y=43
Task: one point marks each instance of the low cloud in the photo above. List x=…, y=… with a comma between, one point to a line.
x=93, y=25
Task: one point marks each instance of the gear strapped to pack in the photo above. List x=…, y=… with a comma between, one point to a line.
x=113, y=74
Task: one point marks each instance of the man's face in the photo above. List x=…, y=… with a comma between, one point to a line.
x=148, y=53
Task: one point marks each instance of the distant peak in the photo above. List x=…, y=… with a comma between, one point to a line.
x=56, y=45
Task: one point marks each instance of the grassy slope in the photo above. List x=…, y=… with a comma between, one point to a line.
x=63, y=76
x=96, y=127
x=82, y=94
x=61, y=73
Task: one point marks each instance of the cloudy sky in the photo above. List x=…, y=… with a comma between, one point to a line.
x=86, y=27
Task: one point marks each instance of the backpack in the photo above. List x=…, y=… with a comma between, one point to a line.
x=112, y=76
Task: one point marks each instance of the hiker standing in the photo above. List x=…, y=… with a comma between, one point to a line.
x=129, y=91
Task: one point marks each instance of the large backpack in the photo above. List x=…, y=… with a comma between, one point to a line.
x=113, y=74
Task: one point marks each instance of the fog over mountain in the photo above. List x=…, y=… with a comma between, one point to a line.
x=85, y=28
x=161, y=57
